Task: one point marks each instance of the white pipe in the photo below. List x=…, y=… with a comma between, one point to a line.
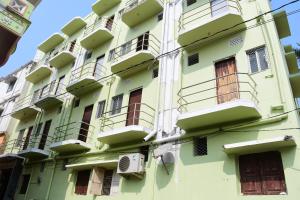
x=168, y=139
x=152, y=134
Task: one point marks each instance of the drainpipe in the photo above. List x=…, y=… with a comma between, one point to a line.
x=51, y=180
x=271, y=49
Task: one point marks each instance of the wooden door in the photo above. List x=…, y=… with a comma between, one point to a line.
x=60, y=85
x=134, y=106
x=85, y=123
x=98, y=65
x=226, y=81
x=45, y=135
x=27, y=138
x=72, y=46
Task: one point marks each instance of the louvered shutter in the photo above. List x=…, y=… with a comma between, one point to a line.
x=250, y=175
x=97, y=181
x=115, y=184
x=273, y=181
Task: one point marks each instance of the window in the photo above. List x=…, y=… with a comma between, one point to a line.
x=145, y=151
x=111, y=55
x=59, y=110
x=257, y=59
x=25, y=183
x=108, y=175
x=262, y=174
x=11, y=86
x=104, y=181
x=190, y=2
x=88, y=55
x=1, y=111
x=38, y=129
x=116, y=104
x=82, y=182
x=125, y=48
x=120, y=13
x=100, y=109
x=160, y=16
x=20, y=138
x=193, y=59
x=42, y=167
x=200, y=146
x=76, y=103
x=155, y=73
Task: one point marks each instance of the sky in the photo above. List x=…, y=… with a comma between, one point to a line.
x=52, y=15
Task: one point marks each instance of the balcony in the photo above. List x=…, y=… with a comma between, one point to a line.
x=36, y=148
x=228, y=99
x=24, y=109
x=38, y=72
x=86, y=79
x=101, y=6
x=49, y=96
x=209, y=20
x=137, y=11
x=10, y=147
x=64, y=55
x=127, y=124
x=73, y=137
x=98, y=33
x=73, y=26
x=52, y=42
x=136, y=54
x=282, y=24
x=291, y=59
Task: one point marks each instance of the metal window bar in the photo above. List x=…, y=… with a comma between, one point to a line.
x=207, y=10
x=200, y=93
x=141, y=114
x=102, y=22
x=90, y=69
x=74, y=130
x=149, y=43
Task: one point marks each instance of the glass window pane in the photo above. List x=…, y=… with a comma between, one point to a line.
x=253, y=62
x=262, y=58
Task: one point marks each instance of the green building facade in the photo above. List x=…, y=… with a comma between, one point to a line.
x=156, y=99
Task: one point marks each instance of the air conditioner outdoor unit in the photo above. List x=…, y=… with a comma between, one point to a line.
x=131, y=165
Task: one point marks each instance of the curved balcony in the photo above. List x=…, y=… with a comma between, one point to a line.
x=98, y=33
x=38, y=71
x=74, y=26
x=136, y=54
x=127, y=124
x=210, y=19
x=73, y=137
x=36, y=148
x=138, y=11
x=52, y=42
x=101, y=6
x=85, y=79
x=64, y=55
x=49, y=96
x=24, y=108
x=206, y=104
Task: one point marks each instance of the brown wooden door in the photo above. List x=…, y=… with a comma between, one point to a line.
x=45, y=134
x=85, y=124
x=134, y=107
x=227, y=81
x=27, y=138
x=98, y=65
x=262, y=174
